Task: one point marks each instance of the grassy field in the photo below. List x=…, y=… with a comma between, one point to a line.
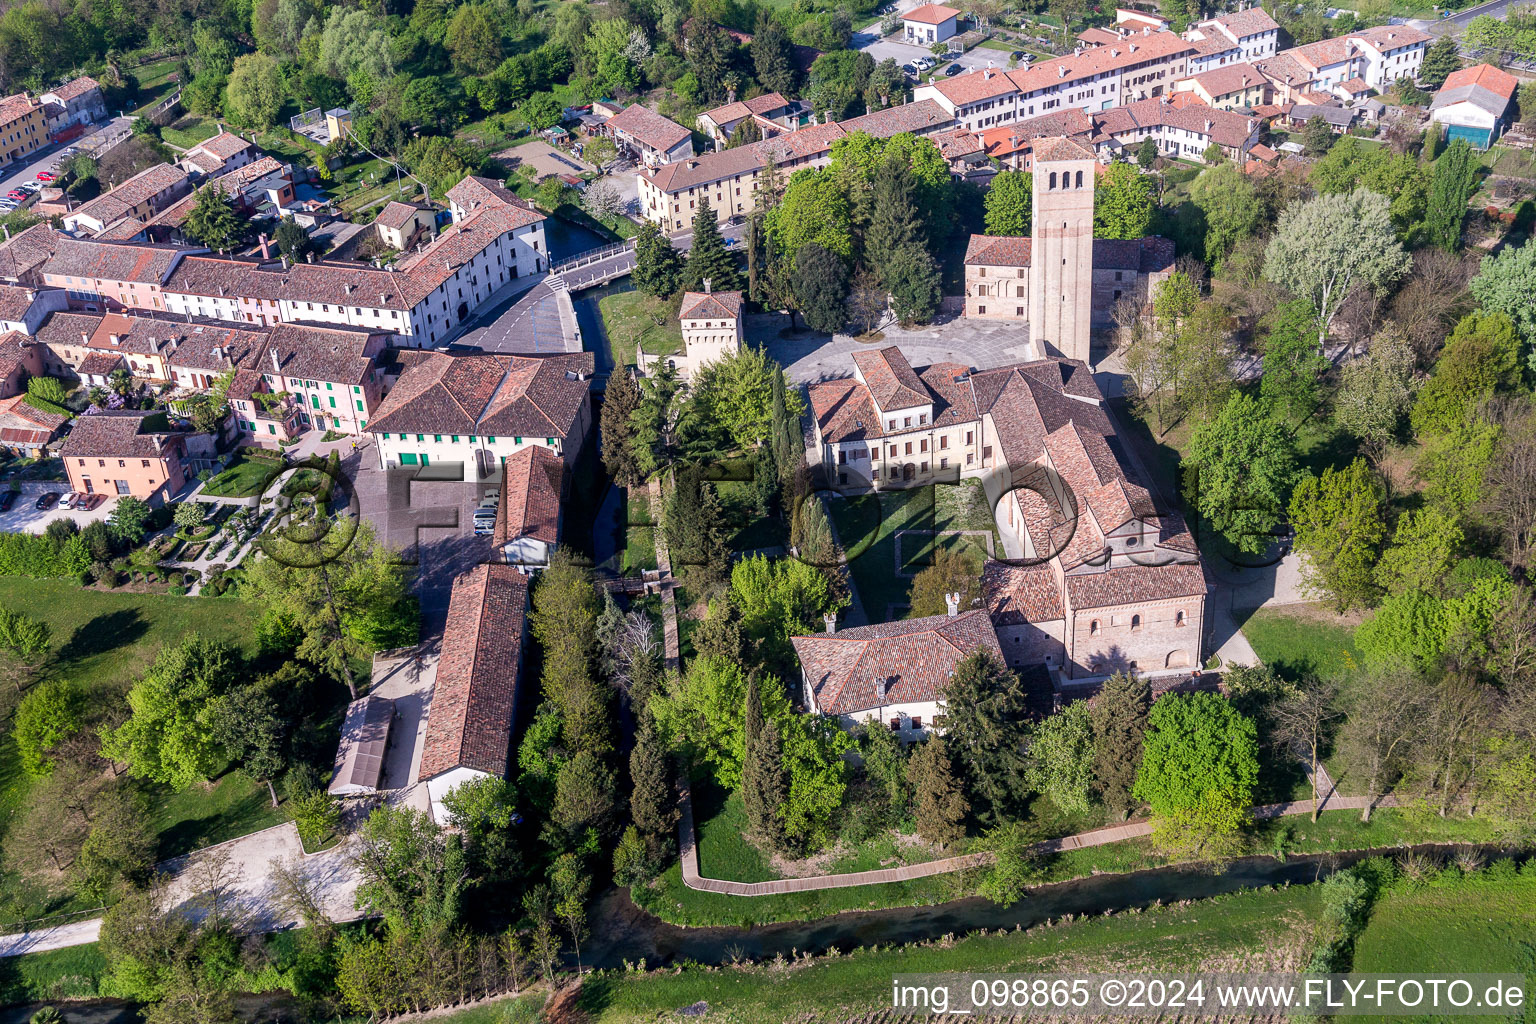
x=1266, y=929
x=1297, y=643
x=102, y=642
x=868, y=536
x=627, y=325
x=189, y=131
x=522, y=1009
x=243, y=478
x=72, y=973
x=155, y=82
x=639, y=540
x=1481, y=922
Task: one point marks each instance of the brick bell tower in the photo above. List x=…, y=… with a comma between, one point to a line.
x=1061, y=257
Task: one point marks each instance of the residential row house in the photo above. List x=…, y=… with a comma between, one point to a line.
x=1108, y=580
x=1234, y=38
x=1142, y=65
x=419, y=301
x=137, y=199
x=219, y=155
x=466, y=414
x=77, y=102
x=125, y=453
x=1232, y=87
x=1376, y=56
x=670, y=194
x=23, y=127
x=649, y=137
x=771, y=113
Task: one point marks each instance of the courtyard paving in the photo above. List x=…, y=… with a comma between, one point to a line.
x=809, y=356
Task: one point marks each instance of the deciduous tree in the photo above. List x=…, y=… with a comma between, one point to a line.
x=169, y=736
x=255, y=91
x=950, y=573
x=1200, y=764
x=1119, y=718
x=1061, y=758
x=1246, y=468
x=1009, y=203
x=1122, y=202
x=1340, y=524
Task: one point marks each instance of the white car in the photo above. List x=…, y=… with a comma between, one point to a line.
x=8, y=204
x=924, y=63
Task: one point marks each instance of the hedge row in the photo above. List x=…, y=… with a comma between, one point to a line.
x=25, y=554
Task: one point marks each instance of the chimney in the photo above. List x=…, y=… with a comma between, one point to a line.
x=113, y=338
x=266, y=252
x=85, y=339
x=831, y=621
x=383, y=298
x=952, y=604
x=706, y=286
x=347, y=288
x=730, y=95
x=309, y=257
x=285, y=264
x=277, y=364
x=1208, y=123
x=880, y=689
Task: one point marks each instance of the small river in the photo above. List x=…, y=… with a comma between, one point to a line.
x=621, y=931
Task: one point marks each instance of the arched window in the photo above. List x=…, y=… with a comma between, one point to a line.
x=1178, y=617
x=1079, y=179
x=1135, y=623
x=1053, y=179
x=1093, y=628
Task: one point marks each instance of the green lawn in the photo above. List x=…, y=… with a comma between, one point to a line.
x=1299, y=644
x=1481, y=923
x=189, y=131
x=102, y=642
x=63, y=974
x=867, y=525
x=155, y=81
x=639, y=536
x=1266, y=929
x=626, y=324
x=523, y=1009
x=244, y=478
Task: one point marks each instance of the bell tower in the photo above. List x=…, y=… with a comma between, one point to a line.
x=1061, y=255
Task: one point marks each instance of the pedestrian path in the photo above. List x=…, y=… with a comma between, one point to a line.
x=883, y=876
x=671, y=651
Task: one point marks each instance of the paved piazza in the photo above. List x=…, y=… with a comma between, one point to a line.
x=809, y=356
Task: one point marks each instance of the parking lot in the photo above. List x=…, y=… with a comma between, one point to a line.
x=48, y=159
x=24, y=517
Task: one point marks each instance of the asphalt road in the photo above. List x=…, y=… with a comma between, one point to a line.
x=49, y=157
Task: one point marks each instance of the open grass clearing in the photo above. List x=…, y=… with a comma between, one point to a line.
x=1296, y=641
x=630, y=322
x=243, y=478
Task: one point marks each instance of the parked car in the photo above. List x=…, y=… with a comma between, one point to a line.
x=7, y=499
x=1018, y=55
x=16, y=194
x=47, y=500
x=953, y=70
x=909, y=71
x=30, y=187
x=92, y=502
x=44, y=175
x=923, y=63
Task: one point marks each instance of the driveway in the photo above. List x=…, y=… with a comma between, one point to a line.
x=24, y=518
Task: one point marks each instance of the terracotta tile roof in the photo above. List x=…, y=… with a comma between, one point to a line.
x=1392, y=37
x=137, y=190
x=1017, y=594
x=1214, y=44
x=1486, y=76
x=111, y=261
x=649, y=127
x=1226, y=127
x=844, y=411
x=911, y=660
x=120, y=435
x=495, y=395
x=1254, y=21
x=15, y=301
x=224, y=146
x=218, y=277
x=74, y=88
x=475, y=191
x=101, y=364
x=27, y=250
x=890, y=379
x=957, y=144
x=1134, y=584
x=454, y=246
x=1285, y=69
x=930, y=14
x=1356, y=86
x=950, y=384
x=13, y=355
x=1007, y=139
x=730, y=112
x=396, y=215
x=16, y=106
x=245, y=384
x=312, y=352
x=1231, y=78
x=1134, y=49
x=531, y=484
x=710, y=304
x=976, y=87
x=1098, y=36
x=802, y=144
x=67, y=328
x=1061, y=148
x=22, y=424
x=998, y=251
x=474, y=700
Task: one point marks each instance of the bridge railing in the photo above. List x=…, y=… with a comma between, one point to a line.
x=591, y=256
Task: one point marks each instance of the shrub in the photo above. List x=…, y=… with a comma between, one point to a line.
x=48, y=389
x=48, y=715
x=24, y=554
x=316, y=816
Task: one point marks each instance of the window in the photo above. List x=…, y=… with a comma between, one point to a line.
x=923, y=445
x=943, y=463
x=120, y=463
x=1178, y=617
x=419, y=437
x=943, y=442
x=981, y=310
x=1135, y=623
x=1093, y=628
x=970, y=437
x=385, y=436
x=906, y=421
x=842, y=458
x=917, y=721
x=454, y=438
x=1131, y=542
x=101, y=462
x=896, y=724
x=145, y=462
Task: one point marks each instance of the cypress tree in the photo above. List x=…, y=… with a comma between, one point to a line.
x=684, y=519
x=1119, y=716
x=764, y=785
x=652, y=802
x=788, y=446
x=894, y=225
x=658, y=266
x=939, y=804
x=708, y=259
x=714, y=553
x=617, y=435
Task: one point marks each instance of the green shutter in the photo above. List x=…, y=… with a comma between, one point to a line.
x=407, y=459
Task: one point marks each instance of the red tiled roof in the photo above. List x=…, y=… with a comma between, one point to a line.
x=1135, y=583
x=1252, y=22
x=649, y=127
x=1016, y=594
x=890, y=379
x=118, y=435
x=930, y=14
x=1493, y=79
x=22, y=424
x=132, y=193
x=74, y=88
x=1218, y=82
x=496, y=395
x=998, y=251
x=957, y=144
x=710, y=304
x=531, y=484
x=396, y=215
x=474, y=700
x=111, y=261
x=844, y=411
x=912, y=660
x=15, y=106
